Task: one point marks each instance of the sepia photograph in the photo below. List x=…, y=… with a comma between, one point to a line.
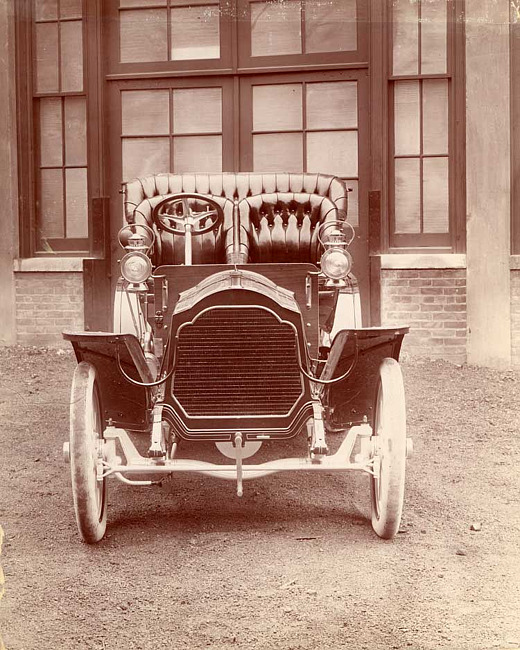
x=260, y=324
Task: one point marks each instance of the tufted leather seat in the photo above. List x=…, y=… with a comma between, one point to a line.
x=276, y=214
x=282, y=226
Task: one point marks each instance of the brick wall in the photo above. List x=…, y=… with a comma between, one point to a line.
x=48, y=303
x=433, y=303
x=515, y=318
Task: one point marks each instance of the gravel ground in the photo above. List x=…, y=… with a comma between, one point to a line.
x=294, y=564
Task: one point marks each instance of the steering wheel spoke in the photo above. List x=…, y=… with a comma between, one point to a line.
x=175, y=214
x=173, y=219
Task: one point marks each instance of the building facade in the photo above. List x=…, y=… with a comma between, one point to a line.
x=412, y=102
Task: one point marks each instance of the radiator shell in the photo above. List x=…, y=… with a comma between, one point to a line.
x=236, y=354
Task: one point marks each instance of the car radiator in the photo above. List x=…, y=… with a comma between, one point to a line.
x=237, y=361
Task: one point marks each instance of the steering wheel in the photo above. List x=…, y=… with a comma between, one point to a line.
x=174, y=214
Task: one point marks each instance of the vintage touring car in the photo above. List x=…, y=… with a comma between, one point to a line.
x=237, y=335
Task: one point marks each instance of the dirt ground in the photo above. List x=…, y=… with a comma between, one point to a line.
x=294, y=564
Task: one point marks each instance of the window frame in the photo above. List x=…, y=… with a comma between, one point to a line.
x=454, y=239
x=170, y=84
x=356, y=58
x=307, y=77
x=155, y=68
x=28, y=137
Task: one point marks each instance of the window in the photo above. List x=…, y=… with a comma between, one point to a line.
x=175, y=125
x=169, y=33
x=301, y=31
x=423, y=143
x=114, y=89
x=297, y=121
x=56, y=189
x=304, y=124
x=155, y=35
x=201, y=34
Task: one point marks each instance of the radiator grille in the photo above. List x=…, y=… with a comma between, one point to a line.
x=237, y=361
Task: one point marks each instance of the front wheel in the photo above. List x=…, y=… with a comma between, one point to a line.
x=389, y=438
x=86, y=438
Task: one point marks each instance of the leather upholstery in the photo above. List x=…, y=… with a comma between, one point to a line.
x=277, y=213
x=282, y=226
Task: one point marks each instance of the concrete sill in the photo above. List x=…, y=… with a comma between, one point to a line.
x=514, y=262
x=48, y=264
x=423, y=261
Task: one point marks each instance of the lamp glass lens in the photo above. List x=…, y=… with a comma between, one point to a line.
x=135, y=268
x=335, y=264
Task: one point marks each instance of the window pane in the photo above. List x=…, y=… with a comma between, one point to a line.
x=197, y=154
x=407, y=119
x=143, y=156
x=51, y=204
x=333, y=152
x=197, y=110
x=332, y=105
x=75, y=131
x=192, y=3
x=405, y=37
x=77, y=202
x=45, y=9
x=434, y=27
x=277, y=108
x=71, y=8
x=47, y=78
x=407, y=195
x=141, y=3
x=435, y=120
x=330, y=26
x=195, y=33
x=71, y=56
x=353, y=202
x=276, y=28
x=278, y=152
x=145, y=112
x=50, y=133
x=143, y=35
x=435, y=195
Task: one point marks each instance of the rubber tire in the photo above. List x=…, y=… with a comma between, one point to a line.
x=86, y=427
x=387, y=497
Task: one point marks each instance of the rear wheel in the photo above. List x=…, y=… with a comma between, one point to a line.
x=387, y=483
x=86, y=437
